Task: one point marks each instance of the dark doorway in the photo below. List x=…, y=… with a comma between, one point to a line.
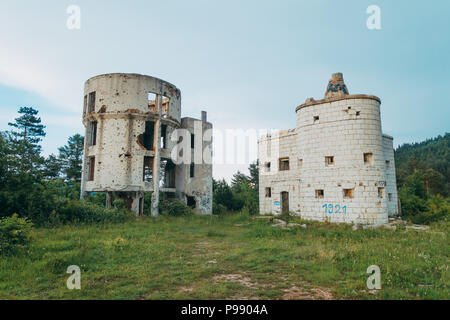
x=191, y=202
x=285, y=202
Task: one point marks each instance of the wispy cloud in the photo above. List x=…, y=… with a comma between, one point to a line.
x=33, y=73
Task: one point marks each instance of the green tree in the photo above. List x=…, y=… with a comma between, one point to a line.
x=237, y=180
x=246, y=199
x=429, y=154
x=71, y=157
x=52, y=167
x=24, y=141
x=415, y=185
x=434, y=182
x=3, y=157
x=222, y=194
x=254, y=174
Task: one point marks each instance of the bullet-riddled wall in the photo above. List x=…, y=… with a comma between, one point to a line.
x=194, y=180
x=129, y=119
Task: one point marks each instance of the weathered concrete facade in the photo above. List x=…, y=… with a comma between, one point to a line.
x=336, y=165
x=130, y=121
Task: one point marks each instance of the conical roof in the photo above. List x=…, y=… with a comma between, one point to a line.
x=336, y=86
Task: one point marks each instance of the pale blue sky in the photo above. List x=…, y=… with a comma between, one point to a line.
x=248, y=63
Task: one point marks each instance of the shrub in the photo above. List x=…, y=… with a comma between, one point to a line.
x=163, y=206
x=412, y=205
x=118, y=204
x=438, y=208
x=176, y=208
x=219, y=209
x=420, y=211
x=98, y=198
x=82, y=211
x=14, y=233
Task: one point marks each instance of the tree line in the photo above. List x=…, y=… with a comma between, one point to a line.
x=47, y=189
x=423, y=179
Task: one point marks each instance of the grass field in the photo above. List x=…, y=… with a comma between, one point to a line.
x=229, y=257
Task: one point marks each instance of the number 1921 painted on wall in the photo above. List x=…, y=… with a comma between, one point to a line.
x=337, y=209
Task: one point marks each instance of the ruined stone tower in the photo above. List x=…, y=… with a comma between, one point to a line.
x=130, y=123
x=336, y=165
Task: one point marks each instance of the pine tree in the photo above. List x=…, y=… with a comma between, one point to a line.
x=237, y=179
x=52, y=167
x=71, y=156
x=24, y=141
x=254, y=174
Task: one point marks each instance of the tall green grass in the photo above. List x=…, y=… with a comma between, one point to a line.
x=200, y=257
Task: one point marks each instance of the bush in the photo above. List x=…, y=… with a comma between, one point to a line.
x=438, y=208
x=420, y=211
x=14, y=233
x=412, y=205
x=82, y=211
x=177, y=208
x=98, y=198
x=118, y=204
x=219, y=209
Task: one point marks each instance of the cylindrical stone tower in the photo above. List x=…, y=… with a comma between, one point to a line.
x=341, y=161
x=128, y=121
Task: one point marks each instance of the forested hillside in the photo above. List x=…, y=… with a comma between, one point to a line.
x=431, y=157
x=423, y=179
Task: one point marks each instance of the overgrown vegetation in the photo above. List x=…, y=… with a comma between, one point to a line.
x=46, y=191
x=241, y=196
x=233, y=256
x=15, y=234
x=228, y=255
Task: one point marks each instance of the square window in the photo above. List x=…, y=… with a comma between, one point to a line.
x=368, y=158
x=300, y=163
x=316, y=118
x=390, y=196
x=348, y=193
x=284, y=164
x=388, y=164
x=329, y=161
x=267, y=167
x=381, y=192
x=268, y=192
x=319, y=193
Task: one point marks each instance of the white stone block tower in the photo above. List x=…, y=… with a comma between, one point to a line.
x=129, y=120
x=336, y=165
